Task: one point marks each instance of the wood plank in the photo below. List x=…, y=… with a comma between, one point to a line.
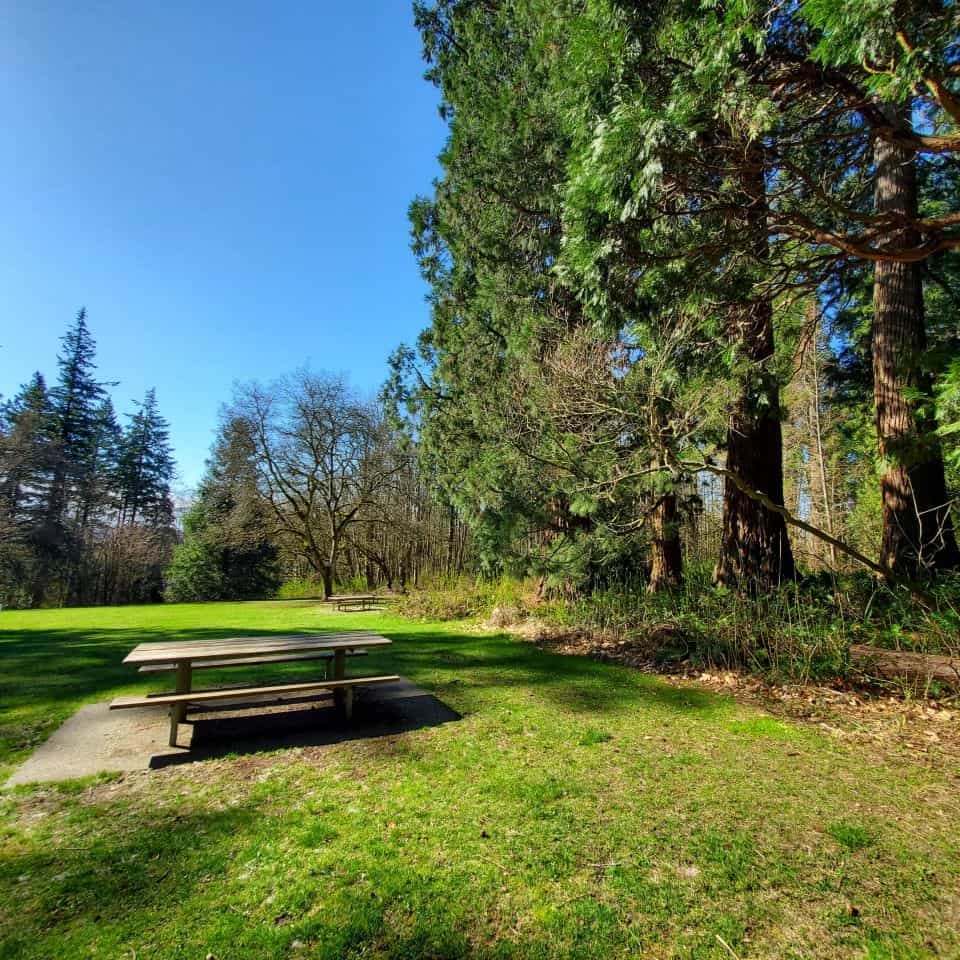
x=319, y=640
x=357, y=596
x=242, y=647
x=260, y=637
x=178, y=711
x=339, y=673
x=248, y=661
x=202, y=696
x=364, y=603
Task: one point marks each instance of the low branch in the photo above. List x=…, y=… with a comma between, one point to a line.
x=760, y=497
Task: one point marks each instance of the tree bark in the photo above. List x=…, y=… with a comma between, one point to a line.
x=816, y=427
x=755, y=550
x=326, y=573
x=666, y=571
x=918, y=532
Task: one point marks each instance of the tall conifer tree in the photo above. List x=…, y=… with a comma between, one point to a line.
x=145, y=467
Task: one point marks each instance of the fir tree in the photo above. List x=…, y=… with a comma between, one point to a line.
x=74, y=401
x=228, y=550
x=145, y=467
x=26, y=459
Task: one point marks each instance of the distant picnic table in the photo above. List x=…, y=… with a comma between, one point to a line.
x=365, y=601
x=182, y=658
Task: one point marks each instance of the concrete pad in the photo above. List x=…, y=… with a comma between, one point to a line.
x=96, y=739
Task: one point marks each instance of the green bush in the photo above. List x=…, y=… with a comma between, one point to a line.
x=194, y=574
x=301, y=589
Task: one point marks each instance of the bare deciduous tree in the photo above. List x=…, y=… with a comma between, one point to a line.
x=322, y=460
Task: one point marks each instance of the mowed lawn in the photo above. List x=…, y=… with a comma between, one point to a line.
x=576, y=810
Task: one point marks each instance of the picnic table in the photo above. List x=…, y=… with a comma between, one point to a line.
x=182, y=658
x=365, y=601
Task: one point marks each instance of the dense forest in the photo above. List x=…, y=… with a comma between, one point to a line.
x=86, y=514
x=694, y=288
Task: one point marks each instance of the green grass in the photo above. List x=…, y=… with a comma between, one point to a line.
x=577, y=810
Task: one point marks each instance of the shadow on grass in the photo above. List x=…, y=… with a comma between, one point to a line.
x=111, y=891
x=46, y=674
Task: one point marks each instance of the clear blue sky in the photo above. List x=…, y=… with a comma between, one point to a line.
x=224, y=186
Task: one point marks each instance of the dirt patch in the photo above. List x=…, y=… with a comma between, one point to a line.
x=927, y=730
x=923, y=730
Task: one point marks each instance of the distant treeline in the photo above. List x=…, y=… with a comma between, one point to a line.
x=86, y=515
x=312, y=486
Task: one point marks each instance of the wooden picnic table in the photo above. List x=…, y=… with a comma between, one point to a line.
x=365, y=601
x=182, y=658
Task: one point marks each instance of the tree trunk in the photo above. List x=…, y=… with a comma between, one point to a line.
x=816, y=425
x=755, y=550
x=917, y=529
x=666, y=570
x=326, y=573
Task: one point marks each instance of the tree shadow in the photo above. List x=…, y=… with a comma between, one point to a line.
x=45, y=675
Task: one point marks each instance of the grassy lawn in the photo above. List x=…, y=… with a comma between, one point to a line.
x=577, y=810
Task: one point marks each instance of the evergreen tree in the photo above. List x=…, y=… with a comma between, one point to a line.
x=666, y=220
x=26, y=459
x=75, y=400
x=97, y=494
x=487, y=242
x=26, y=453
x=85, y=509
x=228, y=551
x=145, y=467
x=874, y=110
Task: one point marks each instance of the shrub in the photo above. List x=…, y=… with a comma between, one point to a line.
x=301, y=589
x=194, y=573
x=461, y=599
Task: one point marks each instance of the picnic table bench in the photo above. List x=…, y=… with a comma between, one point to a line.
x=365, y=601
x=183, y=658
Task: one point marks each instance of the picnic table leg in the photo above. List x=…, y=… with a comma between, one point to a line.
x=178, y=711
x=339, y=672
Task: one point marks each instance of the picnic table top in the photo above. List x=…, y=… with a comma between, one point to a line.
x=240, y=647
x=354, y=596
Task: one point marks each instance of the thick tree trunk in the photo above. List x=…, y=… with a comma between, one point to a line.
x=917, y=530
x=755, y=550
x=666, y=571
x=326, y=573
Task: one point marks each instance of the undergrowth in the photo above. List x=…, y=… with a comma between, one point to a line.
x=463, y=599
x=802, y=631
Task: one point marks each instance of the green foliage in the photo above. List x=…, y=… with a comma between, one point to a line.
x=195, y=573
x=300, y=589
x=228, y=543
x=801, y=632
x=462, y=599
x=593, y=736
x=948, y=403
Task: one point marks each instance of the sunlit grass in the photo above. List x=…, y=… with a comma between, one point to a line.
x=576, y=810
